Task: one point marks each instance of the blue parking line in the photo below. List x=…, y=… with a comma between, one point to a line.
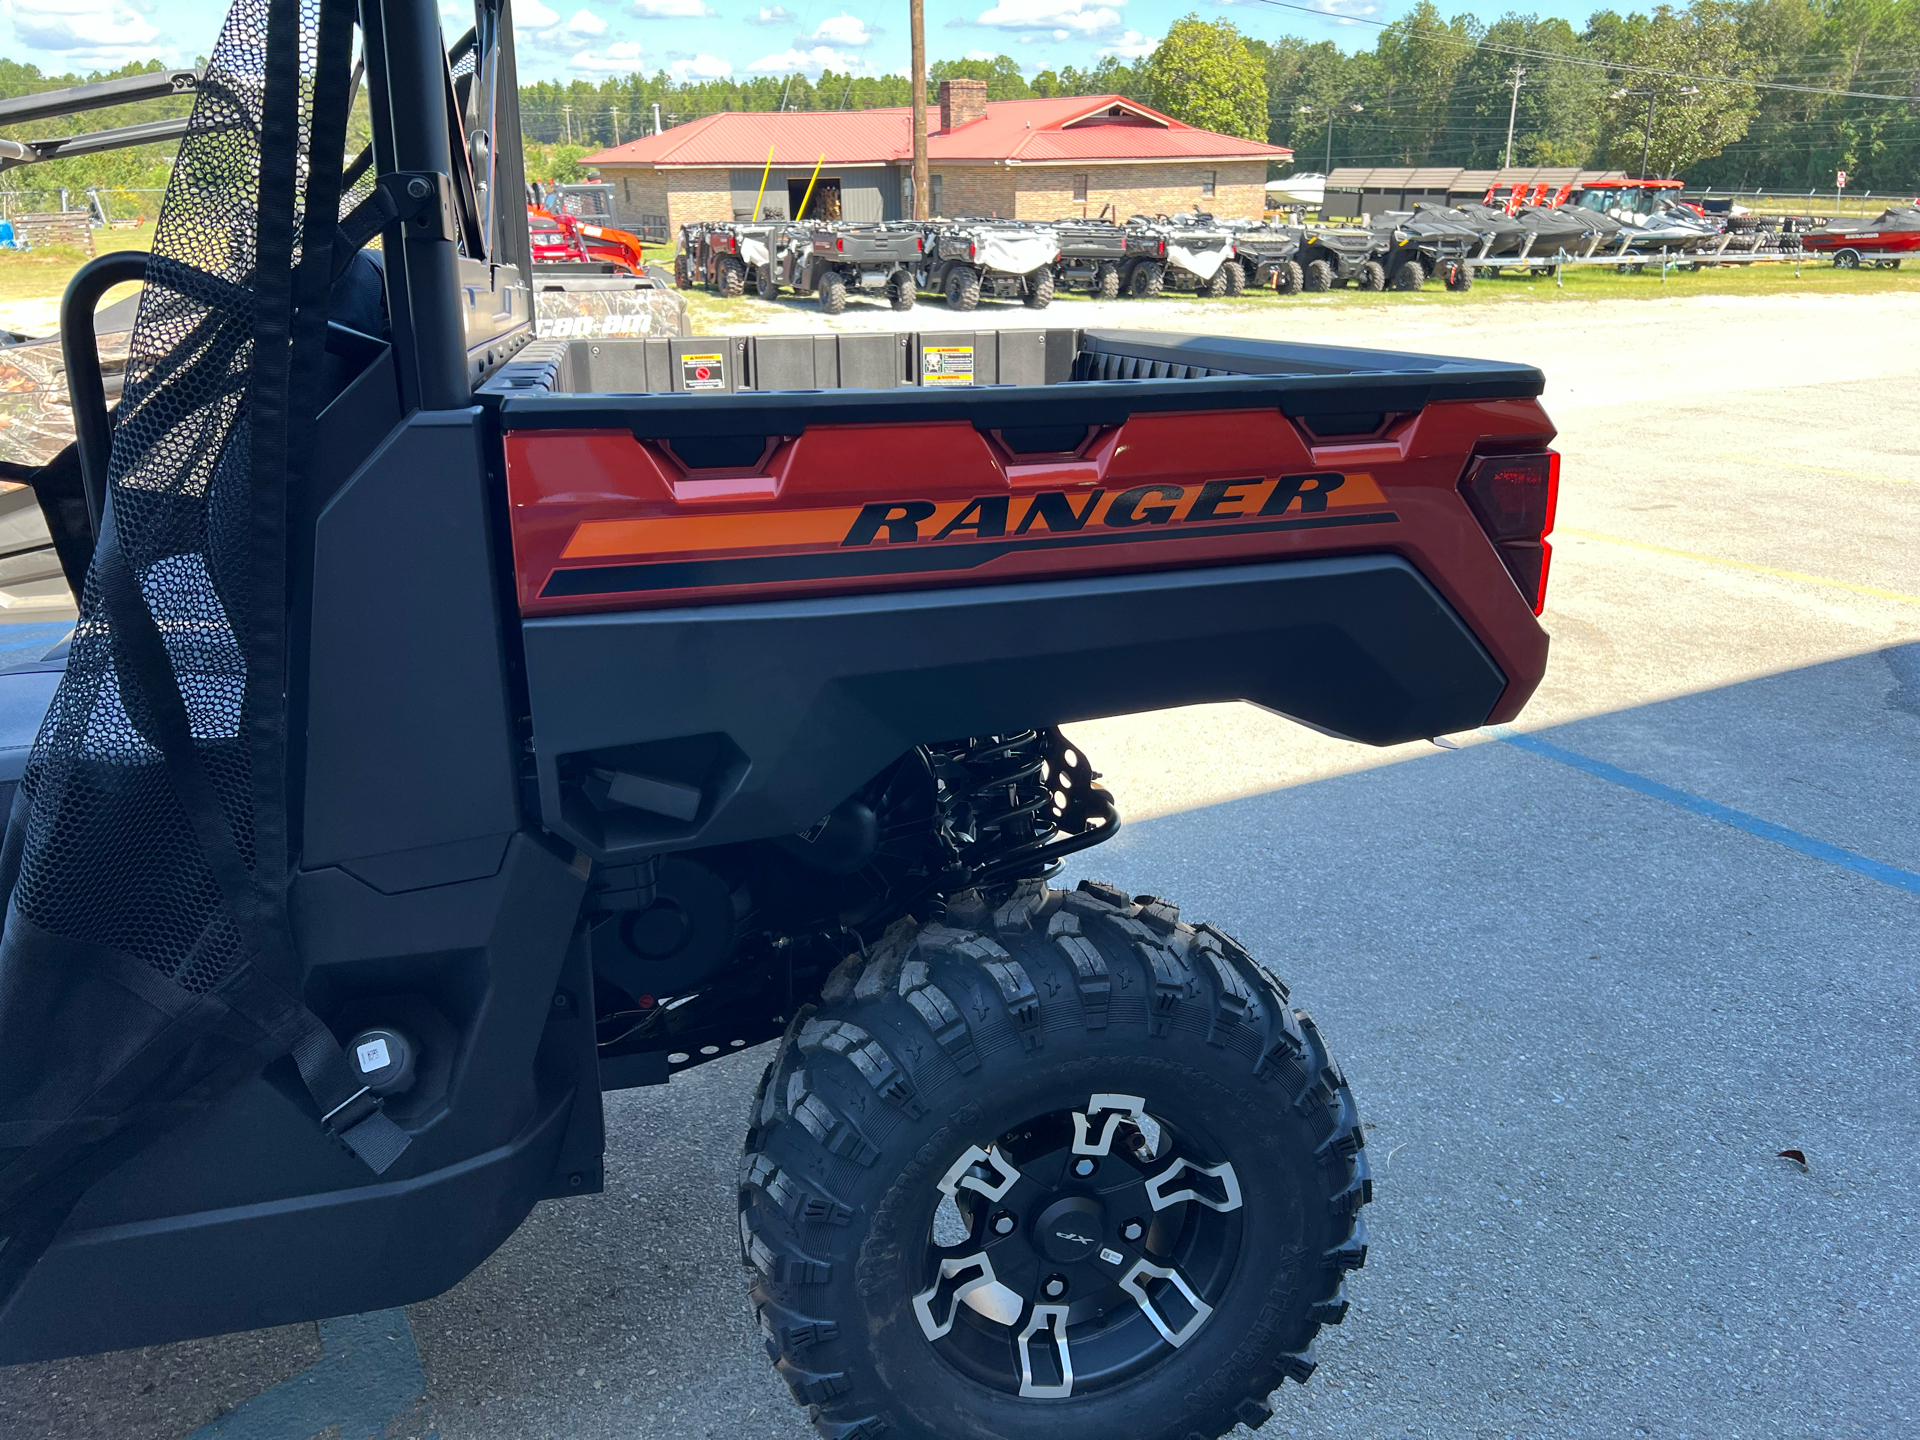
x=1723, y=814
x=368, y=1376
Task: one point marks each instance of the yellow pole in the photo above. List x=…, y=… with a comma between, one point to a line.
x=763, y=183
x=816, y=175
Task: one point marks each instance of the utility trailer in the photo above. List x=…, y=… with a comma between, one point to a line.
x=966, y=259
x=718, y=702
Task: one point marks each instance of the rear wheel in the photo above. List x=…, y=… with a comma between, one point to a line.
x=1319, y=277
x=1147, y=280
x=1847, y=260
x=1410, y=276
x=963, y=288
x=1459, y=276
x=682, y=274
x=1216, y=285
x=733, y=277
x=833, y=292
x=1039, y=289
x=1373, y=276
x=1066, y=1168
x=900, y=290
x=1106, y=283
x=764, y=283
x=1236, y=277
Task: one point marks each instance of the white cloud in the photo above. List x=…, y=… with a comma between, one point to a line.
x=843, y=29
x=586, y=25
x=669, y=9
x=1060, y=34
x=981, y=55
x=532, y=15
x=85, y=33
x=1085, y=16
x=1131, y=46
x=619, y=58
x=772, y=15
x=810, y=62
x=700, y=67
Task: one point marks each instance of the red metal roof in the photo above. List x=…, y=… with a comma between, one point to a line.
x=1076, y=127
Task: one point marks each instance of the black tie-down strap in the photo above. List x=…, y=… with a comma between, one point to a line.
x=349, y=1110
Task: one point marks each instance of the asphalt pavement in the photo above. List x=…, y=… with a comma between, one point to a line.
x=1588, y=978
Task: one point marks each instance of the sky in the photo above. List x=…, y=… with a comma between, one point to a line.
x=709, y=39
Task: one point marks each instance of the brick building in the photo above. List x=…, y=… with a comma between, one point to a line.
x=1081, y=155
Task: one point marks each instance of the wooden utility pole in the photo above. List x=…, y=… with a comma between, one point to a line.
x=921, y=184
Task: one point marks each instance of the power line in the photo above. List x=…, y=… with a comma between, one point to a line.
x=1525, y=53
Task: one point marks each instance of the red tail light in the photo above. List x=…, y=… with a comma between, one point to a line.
x=920, y=244
x=840, y=246
x=1513, y=498
x=1163, y=247
x=972, y=250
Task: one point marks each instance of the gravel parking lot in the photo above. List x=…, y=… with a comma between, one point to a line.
x=1587, y=978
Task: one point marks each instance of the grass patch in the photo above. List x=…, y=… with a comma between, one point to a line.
x=42, y=273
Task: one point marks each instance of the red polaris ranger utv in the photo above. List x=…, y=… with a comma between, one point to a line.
x=459, y=726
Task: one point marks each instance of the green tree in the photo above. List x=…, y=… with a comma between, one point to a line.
x=1002, y=74
x=1677, y=121
x=1205, y=73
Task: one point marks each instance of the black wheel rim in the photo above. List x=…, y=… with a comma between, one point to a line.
x=1080, y=1250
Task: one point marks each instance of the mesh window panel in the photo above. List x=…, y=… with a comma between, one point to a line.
x=129, y=907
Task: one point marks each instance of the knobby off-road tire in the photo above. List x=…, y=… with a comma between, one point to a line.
x=1318, y=278
x=1459, y=276
x=733, y=277
x=1236, y=277
x=1147, y=280
x=1106, y=283
x=1373, y=276
x=957, y=1055
x=1410, y=276
x=1215, y=287
x=682, y=272
x=900, y=291
x=1289, y=278
x=963, y=288
x=764, y=283
x=1039, y=289
x=833, y=293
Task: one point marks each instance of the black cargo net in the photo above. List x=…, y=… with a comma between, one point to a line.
x=111, y=857
x=146, y=963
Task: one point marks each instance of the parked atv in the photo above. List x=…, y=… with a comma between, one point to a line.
x=1415, y=247
x=1332, y=255
x=1093, y=257
x=1267, y=254
x=1196, y=254
x=828, y=261
x=966, y=259
x=717, y=703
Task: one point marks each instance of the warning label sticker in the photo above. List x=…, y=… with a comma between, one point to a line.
x=702, y=372
x=946, y=365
